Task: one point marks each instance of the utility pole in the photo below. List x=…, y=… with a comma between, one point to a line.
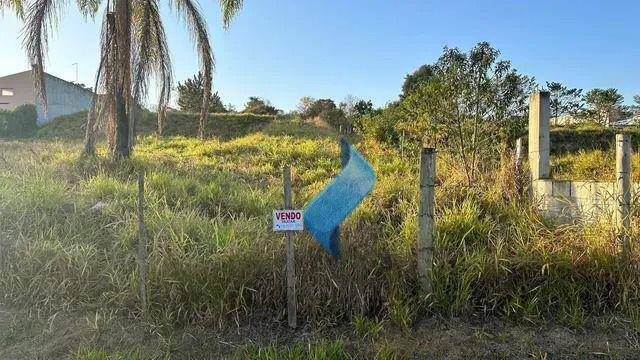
x=76, y=65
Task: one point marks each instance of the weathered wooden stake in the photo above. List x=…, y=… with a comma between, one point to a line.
x=623, y=188
x=142, y=244
x=291, y=271
x=425, y=216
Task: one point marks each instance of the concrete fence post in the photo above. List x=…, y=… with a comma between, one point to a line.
x=426, y=212
x=623, y=189
x=519, y=155
x=539, y=142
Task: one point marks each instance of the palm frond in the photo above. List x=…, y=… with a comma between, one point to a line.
x=152, y=55
x=97, y=105
x=88, y=8
x=198, y=28
x=43, y=17
x=16, y=5
x=229, y=9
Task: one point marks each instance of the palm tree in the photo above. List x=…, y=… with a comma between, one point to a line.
x=15, y=5
x=133, y=47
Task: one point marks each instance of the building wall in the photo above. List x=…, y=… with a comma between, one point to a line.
x=22, y=86
x=63, y=98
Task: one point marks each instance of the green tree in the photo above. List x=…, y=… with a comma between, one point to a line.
x=604, y=105
x=348, y=107
x=635, y=108
x=473, y=105
x=363, y=107
x=564, y=101
x=319, y=108
x=413, y=80
x=133, y=48
x=305, y=103
x=190, y=96
x=259, y=106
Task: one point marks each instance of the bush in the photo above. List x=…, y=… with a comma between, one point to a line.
x=19, y=123
x=335, y=118
x=259, y=106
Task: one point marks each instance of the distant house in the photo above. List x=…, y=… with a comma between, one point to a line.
x=63, y=97
x=564, y=120
x=628, y=121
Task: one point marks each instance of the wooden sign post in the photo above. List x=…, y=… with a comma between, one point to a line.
x=426, y=217
x=291, y=271
x=142, y=245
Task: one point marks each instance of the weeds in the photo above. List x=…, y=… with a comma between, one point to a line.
x=321, y=351
x=213, y=258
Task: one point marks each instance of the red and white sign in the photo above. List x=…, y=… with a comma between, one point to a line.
x=288, y=220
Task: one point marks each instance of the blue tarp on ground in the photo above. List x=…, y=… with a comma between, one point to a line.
x=325, y=213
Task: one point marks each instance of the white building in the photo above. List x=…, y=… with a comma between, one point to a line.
x=63, y=97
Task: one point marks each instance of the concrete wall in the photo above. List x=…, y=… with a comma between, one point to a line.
x=63, y=97
x=569, y=199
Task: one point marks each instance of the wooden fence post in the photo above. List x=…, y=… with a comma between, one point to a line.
x=623, y=189
x=142, y=244
x=291, y=275
x=426, y=216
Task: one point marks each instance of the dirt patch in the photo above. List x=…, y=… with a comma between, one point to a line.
x=26, y=335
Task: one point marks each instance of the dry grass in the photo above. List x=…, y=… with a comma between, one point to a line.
x=214, y=260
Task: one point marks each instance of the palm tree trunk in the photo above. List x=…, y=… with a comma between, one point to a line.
x=121, y=147
x=90, y=137
x=133, y=125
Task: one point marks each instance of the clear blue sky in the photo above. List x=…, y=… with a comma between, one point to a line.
x=285, y=49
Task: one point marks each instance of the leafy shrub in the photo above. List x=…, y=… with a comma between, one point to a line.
x=335, y=118
x=19, y=123
x=324, y=109
x=260, y=106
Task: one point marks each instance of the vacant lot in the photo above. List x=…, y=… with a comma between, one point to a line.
x=515, y=283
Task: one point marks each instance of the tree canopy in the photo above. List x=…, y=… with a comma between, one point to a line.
x=604, y=105
x=413, y=80
x=470, y=103
x=258, y=106
x=563, y=100
x=190, y=94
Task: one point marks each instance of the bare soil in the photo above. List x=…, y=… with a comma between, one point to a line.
x=25, y=335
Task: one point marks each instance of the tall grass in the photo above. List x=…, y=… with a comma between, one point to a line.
x=213, y=258
x=591, y=165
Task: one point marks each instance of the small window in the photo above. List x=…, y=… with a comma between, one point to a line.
x=6, y=92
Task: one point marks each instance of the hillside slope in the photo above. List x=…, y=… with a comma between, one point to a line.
x=177, y=123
